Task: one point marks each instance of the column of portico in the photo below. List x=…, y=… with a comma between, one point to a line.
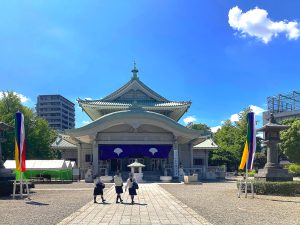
x=192, y=155
x=175, y=158
x=95, y=156
x=79, y=152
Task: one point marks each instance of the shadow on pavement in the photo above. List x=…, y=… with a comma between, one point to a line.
x=136, y=203
x=36, y=203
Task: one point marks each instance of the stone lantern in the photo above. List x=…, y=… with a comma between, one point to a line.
x=272, y=170
x=136, y=170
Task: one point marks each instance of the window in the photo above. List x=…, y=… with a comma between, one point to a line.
x=88, y=158
x=198, y=162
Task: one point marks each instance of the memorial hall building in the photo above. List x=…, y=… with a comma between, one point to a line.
x=135, y=122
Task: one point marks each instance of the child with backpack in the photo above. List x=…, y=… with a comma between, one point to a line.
x=98, y=189
x=132, y=185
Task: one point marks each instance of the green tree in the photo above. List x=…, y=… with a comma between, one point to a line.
x=203, y=127
x=229, y=147
x=290, y=141
x=37, y=132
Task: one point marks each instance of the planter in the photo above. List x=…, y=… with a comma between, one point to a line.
x=165, y=178
x=189, y=179
x=106, y=178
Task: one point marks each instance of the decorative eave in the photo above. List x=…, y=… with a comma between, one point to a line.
x=134, y=118
x=97, y=108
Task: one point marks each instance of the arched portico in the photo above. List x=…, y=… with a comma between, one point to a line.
x=119, y=137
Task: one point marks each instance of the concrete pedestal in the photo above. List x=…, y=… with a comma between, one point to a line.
x=165, y=178
x=138, y=177
x=273, y=174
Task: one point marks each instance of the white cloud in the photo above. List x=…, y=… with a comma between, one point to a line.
x=234, y=117
x=189, y=119
x=85, y=122
x=23, y=98
x=256, y=23
x=215, y=129
x=257, y=110
x=88, y=99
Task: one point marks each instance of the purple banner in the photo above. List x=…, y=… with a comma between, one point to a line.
x=133, y=151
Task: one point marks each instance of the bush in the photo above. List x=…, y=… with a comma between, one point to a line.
x=251, y=173
x=289, y=188
x=294, y=170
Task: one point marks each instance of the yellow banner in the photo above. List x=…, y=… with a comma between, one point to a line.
x=244, y=157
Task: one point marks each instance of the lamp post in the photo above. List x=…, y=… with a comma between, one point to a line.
x=272, y=170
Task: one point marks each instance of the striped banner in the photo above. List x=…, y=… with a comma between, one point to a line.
x=250, y=145
x=20, y=143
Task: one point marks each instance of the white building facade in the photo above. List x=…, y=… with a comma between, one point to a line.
x=135, y=122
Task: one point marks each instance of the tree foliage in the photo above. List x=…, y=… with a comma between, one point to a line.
x=290, y=141
x=39, y=136
x=203, y=127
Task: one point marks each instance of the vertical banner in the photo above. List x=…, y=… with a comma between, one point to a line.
x=20, y=143
x=250, y=145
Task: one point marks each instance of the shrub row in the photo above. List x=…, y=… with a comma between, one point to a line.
x=294, y=170
x=289, y=188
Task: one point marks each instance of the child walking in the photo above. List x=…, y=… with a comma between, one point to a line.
x=132, y=186
x=98, y=189
x=118, y=186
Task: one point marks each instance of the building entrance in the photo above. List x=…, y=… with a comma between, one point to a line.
x=115, y=165
x=156, y=165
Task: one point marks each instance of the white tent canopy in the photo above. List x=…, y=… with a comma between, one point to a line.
x=73, y=163
x=69, y=164
x=39, y=164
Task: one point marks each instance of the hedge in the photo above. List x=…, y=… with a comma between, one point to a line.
x=289, y=188
x=294, y=170
x=63, y=174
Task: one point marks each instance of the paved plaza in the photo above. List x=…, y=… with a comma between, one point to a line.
x=156, y=204
x=153, y=205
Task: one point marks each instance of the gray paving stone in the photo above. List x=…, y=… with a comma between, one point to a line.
x=153, y=205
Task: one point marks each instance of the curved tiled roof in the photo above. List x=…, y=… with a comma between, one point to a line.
x=134, y=94
x=208, y=144
x=132, y=103
x=137, y=80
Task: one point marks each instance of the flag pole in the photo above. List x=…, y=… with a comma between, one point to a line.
x=21, y=175
x=246, y=182
x=21, y=184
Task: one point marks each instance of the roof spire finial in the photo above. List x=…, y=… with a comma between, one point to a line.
x=134, y=71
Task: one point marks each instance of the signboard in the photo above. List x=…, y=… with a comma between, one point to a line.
x=175, y=162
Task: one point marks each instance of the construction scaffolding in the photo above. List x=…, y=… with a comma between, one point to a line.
x=284, y=102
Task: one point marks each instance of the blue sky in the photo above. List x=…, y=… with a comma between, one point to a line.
x=185, y=50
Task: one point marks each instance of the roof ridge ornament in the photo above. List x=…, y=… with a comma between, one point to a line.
x=134, y=71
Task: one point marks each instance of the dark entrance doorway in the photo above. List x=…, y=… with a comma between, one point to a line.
x=115, y=165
